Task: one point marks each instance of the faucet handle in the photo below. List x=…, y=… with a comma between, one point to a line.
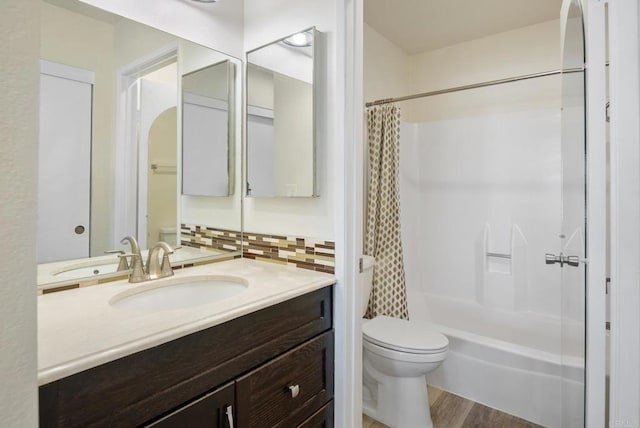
x=123, y=263
x=165, y=268
x=137, y=267
x=114, y=252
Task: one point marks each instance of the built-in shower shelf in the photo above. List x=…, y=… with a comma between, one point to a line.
x=499, y=255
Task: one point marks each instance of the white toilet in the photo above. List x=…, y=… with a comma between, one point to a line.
x=397, y=354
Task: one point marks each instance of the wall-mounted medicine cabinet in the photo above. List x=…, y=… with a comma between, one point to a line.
x=281, y=123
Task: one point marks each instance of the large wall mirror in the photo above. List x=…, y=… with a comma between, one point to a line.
x=118, y=99
x=281, y=128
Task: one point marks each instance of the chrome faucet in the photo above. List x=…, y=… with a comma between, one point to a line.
x=157, y=266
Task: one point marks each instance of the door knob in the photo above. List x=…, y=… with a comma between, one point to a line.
x=79, y=229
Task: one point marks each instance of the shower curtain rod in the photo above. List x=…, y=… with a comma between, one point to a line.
x=474, y=86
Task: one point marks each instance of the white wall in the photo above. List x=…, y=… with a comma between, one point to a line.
x=480, y=157
x=19, y=49
x=312, y=217
x=519, y=52
x=215, y=25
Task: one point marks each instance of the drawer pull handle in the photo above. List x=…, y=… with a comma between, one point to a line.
x=295, y=390
x=229, y=412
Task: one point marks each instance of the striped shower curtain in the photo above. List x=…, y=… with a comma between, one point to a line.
x=382, y=235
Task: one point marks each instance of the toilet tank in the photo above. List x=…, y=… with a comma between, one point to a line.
x=168, y=235
x=366, y=281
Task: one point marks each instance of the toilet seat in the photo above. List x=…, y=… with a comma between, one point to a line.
x=403, y=336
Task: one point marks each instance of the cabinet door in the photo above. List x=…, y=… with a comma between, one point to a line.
x=287, y=390
x=323, y=418
x=214, y=410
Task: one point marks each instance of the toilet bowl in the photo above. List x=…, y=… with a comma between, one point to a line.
x=397, y=355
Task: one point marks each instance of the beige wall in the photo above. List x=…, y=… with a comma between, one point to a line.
x=79, y=41
x=162, y=197
x=523, y=51
x=260, y=89
x=293, y=133
x=386, y=67
x=19, y=50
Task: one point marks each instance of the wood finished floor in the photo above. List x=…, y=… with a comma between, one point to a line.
x=451, y=411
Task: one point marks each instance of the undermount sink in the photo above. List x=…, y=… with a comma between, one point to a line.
x=179, y=293
x=87, y=271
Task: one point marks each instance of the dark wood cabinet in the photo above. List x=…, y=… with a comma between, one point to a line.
x=214, y=410
x=247, y=364
x=285, y=391
x=323, y=418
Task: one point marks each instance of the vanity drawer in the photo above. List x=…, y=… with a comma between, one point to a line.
x=323, y=418
x=289, y=389
x=210, y=411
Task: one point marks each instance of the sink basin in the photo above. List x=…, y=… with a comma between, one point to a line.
x=179, y=293
x=87, y=271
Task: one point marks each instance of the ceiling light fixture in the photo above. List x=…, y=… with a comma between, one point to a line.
x=205, y=1
x=299, y=40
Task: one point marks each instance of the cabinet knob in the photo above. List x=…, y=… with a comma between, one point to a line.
x=295, y=390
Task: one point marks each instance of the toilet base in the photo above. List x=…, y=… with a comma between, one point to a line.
x=400, y=402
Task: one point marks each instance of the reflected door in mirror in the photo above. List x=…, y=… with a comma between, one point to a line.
x=64, y=162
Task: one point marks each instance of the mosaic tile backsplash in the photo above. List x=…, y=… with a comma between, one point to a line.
x=193, y=235
x=305, y=253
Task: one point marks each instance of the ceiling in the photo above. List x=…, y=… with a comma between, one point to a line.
x=423, y=25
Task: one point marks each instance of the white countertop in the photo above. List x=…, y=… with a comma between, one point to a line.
x=78, y=329
x=49, y=273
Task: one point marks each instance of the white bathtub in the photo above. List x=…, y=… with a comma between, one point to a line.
x=521, y=363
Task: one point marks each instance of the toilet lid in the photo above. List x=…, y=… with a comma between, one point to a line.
x=404, y=336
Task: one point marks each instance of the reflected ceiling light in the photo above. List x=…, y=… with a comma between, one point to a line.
x=299, y=40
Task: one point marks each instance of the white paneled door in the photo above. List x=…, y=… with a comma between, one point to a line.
x=64, y=163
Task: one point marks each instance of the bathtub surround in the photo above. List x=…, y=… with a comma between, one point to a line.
x=382, y=235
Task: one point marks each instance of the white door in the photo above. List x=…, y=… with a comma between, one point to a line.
x=573, y=220
x=64, y=163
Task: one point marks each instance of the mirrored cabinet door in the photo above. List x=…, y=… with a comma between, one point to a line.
x=207, y=149
x=280, y=121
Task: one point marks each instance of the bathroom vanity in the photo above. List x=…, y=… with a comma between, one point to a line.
x=261, y=358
